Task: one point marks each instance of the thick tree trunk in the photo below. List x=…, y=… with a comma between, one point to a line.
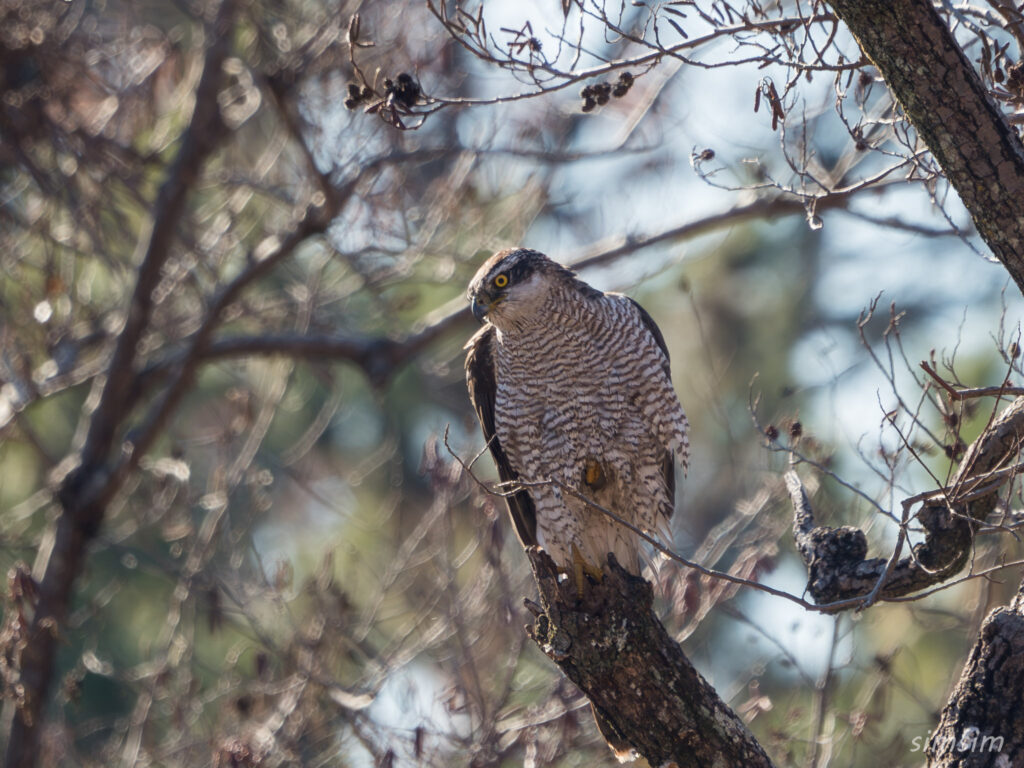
x=983, y=723
x=646, y=694
x=947, y=103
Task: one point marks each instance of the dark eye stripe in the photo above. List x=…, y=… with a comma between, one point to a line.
x=520, y=271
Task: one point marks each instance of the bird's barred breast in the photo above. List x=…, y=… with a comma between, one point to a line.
x=577, y=386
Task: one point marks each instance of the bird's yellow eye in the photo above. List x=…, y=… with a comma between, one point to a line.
x=501, y=281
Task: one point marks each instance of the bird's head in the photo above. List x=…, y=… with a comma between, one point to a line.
x=511, y=287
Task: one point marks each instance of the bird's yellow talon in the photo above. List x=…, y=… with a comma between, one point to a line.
x=593, y=475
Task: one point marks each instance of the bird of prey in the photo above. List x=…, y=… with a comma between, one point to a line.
x=573, y=392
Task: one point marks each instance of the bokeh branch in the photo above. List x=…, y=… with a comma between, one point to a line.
x=86, y=490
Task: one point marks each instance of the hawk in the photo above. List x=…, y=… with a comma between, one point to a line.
x=573, y=392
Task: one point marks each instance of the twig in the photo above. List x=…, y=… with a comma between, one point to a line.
x=964, y=394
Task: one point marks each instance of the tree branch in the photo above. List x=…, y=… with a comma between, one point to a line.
x=836, y=557
x=646, y=694
x=944, y=98
x=82, y=503
x=379, y=357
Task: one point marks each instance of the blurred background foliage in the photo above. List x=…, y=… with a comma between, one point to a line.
x=299, y=572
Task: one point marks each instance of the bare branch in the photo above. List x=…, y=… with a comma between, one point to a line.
x=836, y=557
x=85, y=491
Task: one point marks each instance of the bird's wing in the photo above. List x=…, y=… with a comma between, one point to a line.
x=480, y=378
x=655, y=332
x=668, y=468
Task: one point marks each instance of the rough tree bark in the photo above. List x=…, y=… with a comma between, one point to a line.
x=612, y=646
x=983, y=723
x=838, y=568
x=945, y=100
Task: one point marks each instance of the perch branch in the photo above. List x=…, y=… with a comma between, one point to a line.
x=645, y=692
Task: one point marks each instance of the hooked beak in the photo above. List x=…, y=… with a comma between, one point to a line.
x=479, y=310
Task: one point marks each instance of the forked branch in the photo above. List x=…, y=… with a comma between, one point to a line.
x=838, y=568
